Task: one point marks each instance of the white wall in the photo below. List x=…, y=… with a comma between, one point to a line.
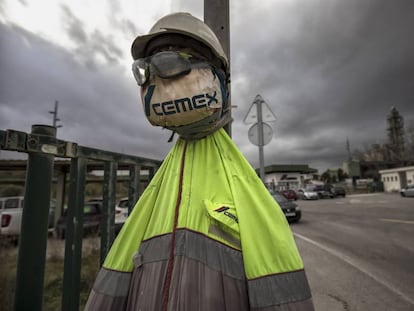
x=395, y=179
x=391, y=181
x=410, y=177
x=293, y=179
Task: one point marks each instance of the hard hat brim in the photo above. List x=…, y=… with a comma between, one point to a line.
x=140, y=43
x=183, y=24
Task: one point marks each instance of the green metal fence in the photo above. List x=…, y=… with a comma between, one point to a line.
x=42, y=148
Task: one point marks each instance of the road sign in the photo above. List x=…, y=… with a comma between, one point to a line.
x=267, y=114
x=254, y=134
x=260, y=133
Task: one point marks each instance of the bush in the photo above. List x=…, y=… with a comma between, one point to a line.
x=12, y=191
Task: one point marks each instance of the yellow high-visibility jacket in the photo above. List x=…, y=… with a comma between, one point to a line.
x=205, y=235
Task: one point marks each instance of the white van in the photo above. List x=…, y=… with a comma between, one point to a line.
x=11, y=210
x=11, y=216
x=11, y=202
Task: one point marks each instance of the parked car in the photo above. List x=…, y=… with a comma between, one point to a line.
x=322, y=191
x=323, y=194
x=123, y=202
x=121, y=213
x=11, y=202
x=306, y=194
x=407, y=191
x=289, y=194
x=289, y=208
x=338, y=191
x=11, y=217
x=92, y=214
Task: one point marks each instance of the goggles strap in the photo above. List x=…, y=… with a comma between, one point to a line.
x=223, y=86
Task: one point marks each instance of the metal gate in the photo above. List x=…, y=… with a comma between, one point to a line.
x=42, y=148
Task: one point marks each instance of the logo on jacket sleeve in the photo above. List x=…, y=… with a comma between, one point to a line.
x=224, y=210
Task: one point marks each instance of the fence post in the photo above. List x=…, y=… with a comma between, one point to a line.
x=108, y=208
x=33, y=235
x=134, y=190
x=73, y=236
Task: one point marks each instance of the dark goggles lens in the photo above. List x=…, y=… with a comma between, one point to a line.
x=167, y=65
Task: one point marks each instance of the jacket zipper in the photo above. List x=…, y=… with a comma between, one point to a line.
x=170, y=265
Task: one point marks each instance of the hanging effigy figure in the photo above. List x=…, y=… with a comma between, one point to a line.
x=206, y=235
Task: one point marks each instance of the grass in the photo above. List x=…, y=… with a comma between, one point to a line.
x=52, y=292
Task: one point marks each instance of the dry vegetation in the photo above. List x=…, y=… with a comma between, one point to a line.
x=52, y=293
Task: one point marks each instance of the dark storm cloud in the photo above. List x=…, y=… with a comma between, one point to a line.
x=74, y=26
x=23, y=2
x=194, y=7
x=129, y=27
x=98, y=109
x=328, y=69
x=89, y=46
x=2, y=10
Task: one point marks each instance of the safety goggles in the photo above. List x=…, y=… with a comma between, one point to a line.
x=167, y=65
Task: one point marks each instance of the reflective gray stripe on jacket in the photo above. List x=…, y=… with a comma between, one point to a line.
x=200, y=264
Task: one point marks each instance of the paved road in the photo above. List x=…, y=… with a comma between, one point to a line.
x=359, y=252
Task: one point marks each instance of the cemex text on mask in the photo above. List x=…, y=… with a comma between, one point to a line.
x=179, y=105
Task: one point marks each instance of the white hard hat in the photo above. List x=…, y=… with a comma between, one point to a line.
x=181, y=24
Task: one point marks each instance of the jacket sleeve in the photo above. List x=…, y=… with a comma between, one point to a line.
x=274, y=269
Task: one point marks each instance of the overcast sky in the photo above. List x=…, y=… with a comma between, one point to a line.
x=328, y=69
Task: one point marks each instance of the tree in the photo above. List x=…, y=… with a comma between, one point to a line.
x=12, y=191
x=326, y=177
x=342, y=175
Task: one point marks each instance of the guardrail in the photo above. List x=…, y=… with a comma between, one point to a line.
x=42, y=147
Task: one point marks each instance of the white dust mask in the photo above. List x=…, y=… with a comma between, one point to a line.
x=183, y=100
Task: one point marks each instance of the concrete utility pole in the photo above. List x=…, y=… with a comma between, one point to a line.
x=216, y=16
x=55, y=115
